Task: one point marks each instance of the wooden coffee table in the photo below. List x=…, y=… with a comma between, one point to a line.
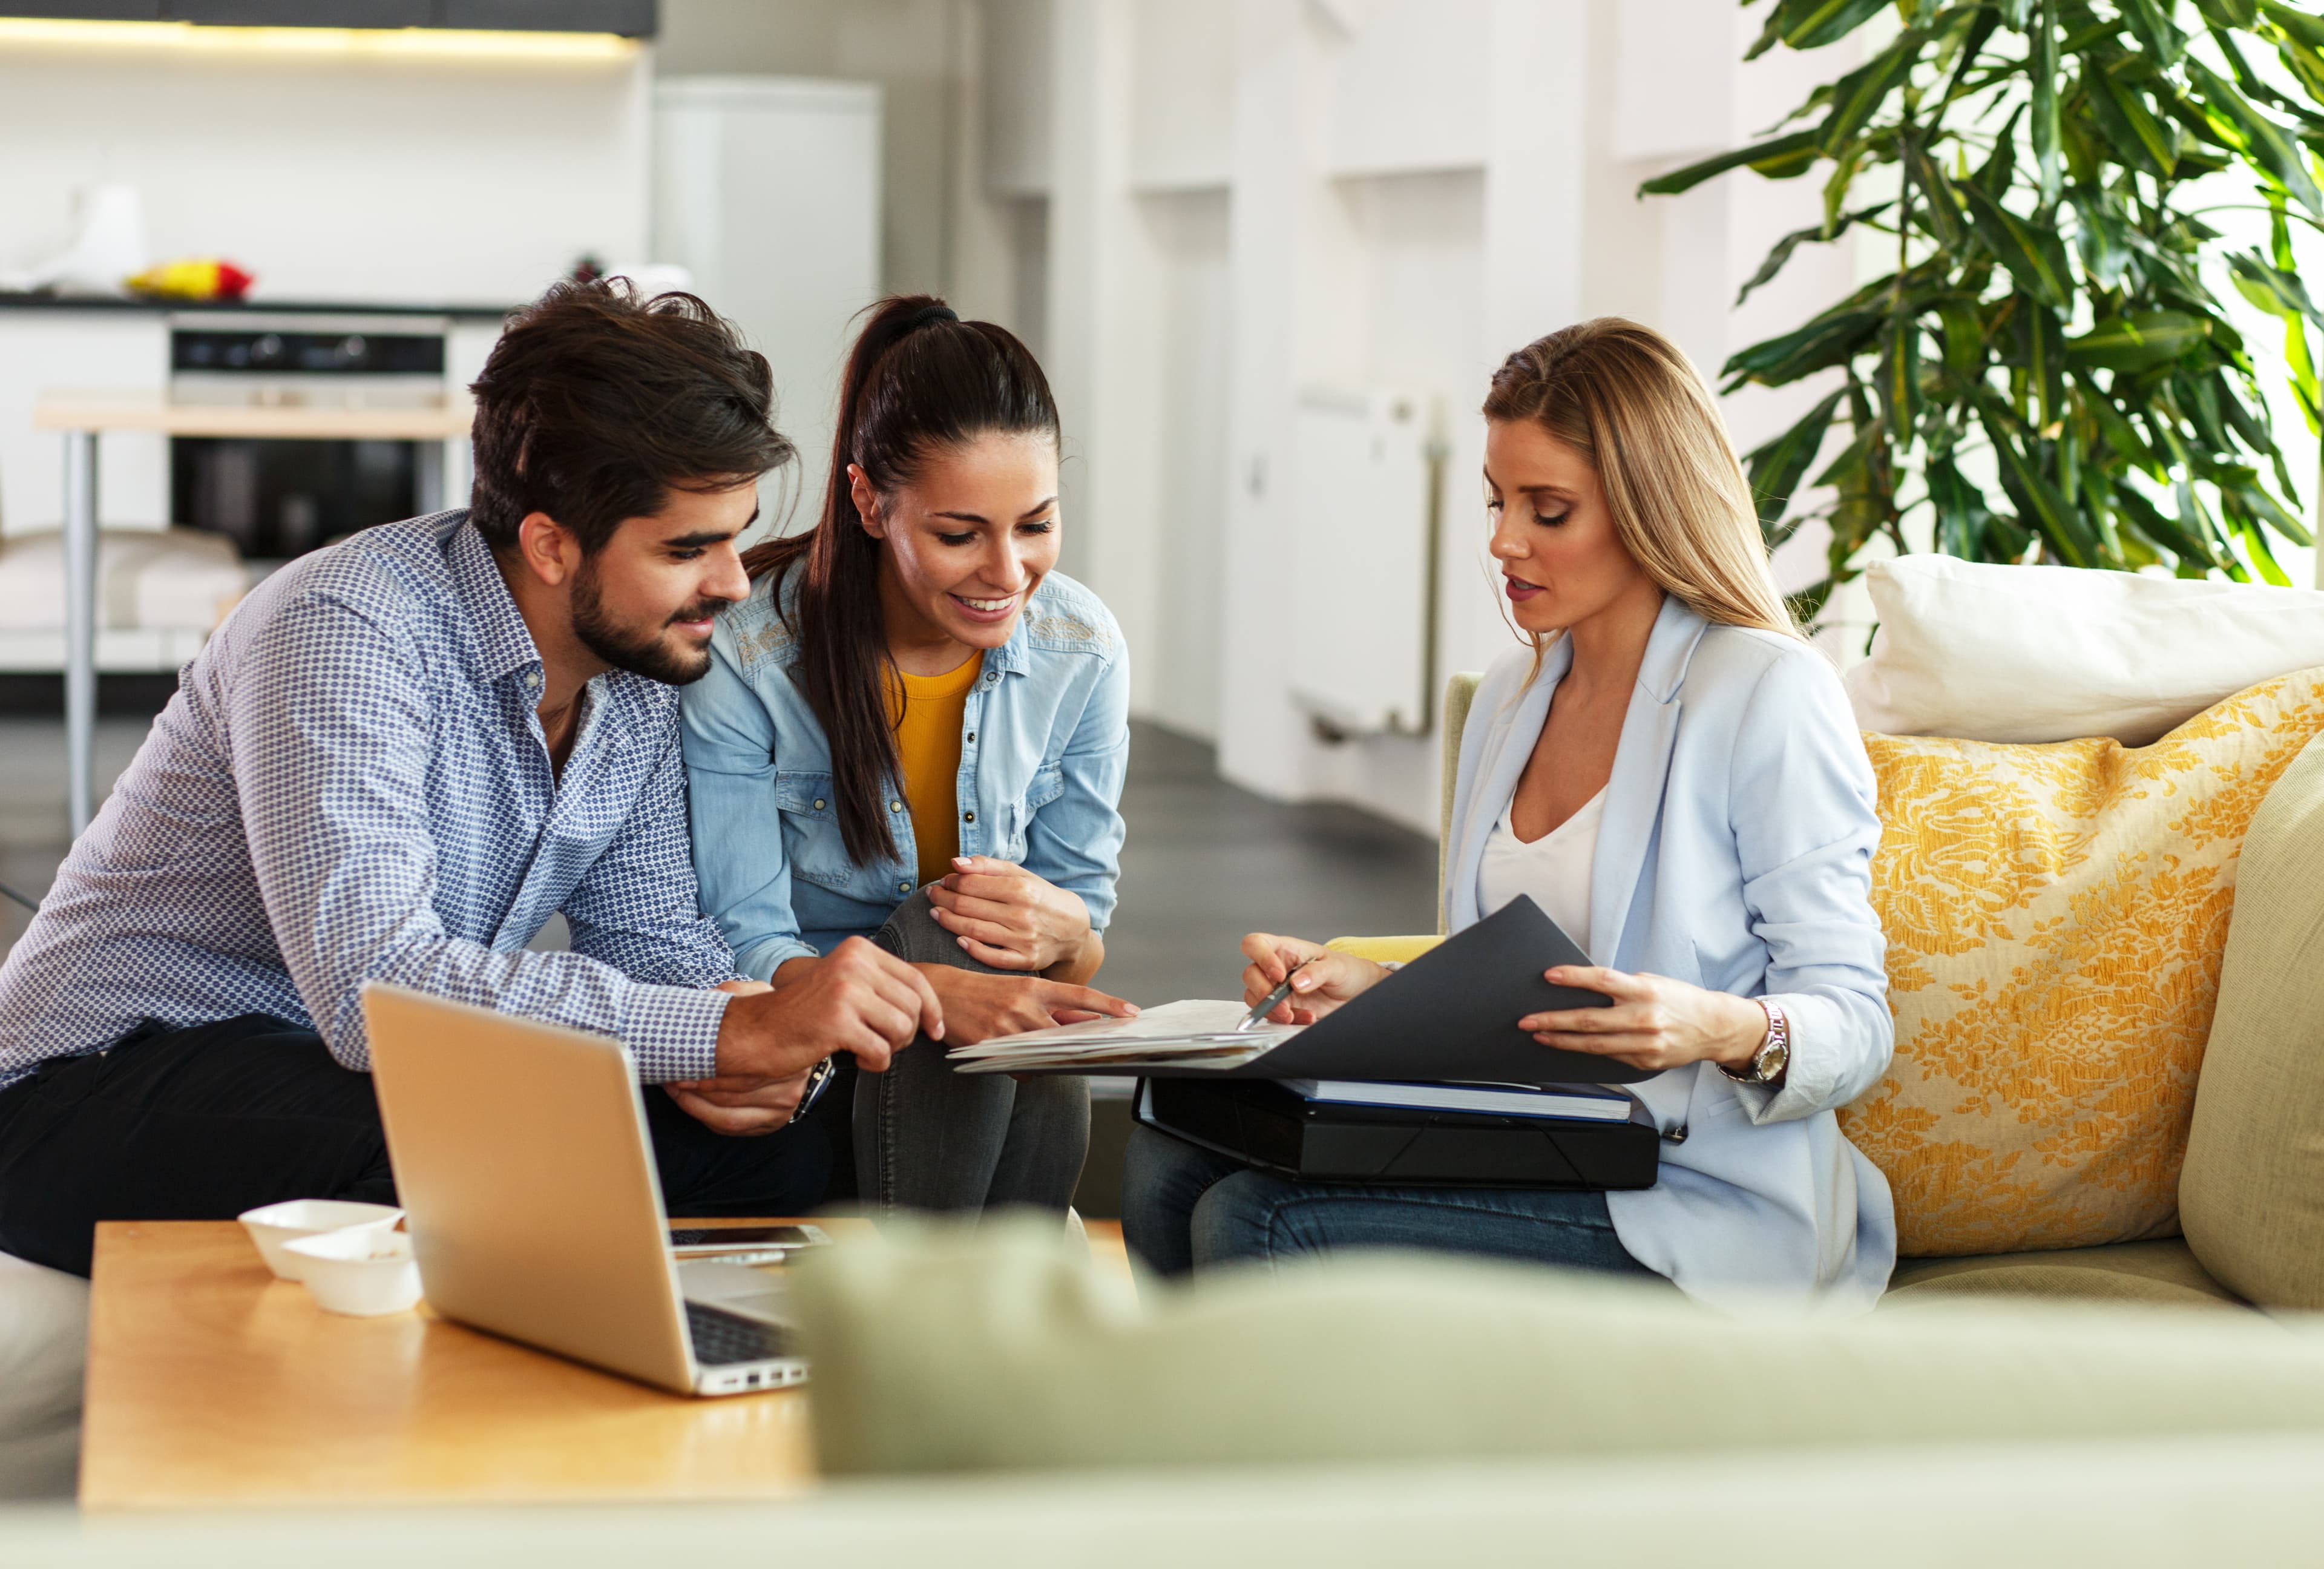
x=212, y=1384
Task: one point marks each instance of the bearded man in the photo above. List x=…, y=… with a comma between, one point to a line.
x=394, y=762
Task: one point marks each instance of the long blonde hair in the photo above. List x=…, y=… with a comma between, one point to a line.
x=1629, y=400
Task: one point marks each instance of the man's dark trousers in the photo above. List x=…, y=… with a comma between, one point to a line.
x=206, y=1122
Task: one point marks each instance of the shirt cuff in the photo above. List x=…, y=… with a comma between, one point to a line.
x=672, y=1032
x=760, y=962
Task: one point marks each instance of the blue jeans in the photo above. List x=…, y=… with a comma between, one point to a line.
x=1184, y=1208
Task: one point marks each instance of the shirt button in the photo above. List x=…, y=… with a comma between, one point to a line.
x=818, y=805
x=895, y=806
x=972, y=738
x=968, y=816
x=903, y=888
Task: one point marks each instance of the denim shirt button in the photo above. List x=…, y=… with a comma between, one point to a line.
x=968, y=816
x=818, y=805
x=972, y=738
x=903, y=888
x=895, y=806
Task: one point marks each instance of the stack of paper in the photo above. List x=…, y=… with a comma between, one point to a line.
x=1188, y=1034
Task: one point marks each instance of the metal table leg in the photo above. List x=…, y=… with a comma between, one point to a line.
x=81, y=625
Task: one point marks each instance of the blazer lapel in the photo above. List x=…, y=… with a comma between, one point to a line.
x=1634, y=791
x=1499, y=764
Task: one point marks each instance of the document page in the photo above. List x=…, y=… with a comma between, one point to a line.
x=1187, y=1031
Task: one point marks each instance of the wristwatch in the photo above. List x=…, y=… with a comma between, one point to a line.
x=818, y=1081
x=1768, y=1064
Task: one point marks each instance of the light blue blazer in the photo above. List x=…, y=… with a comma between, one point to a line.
x=1735, y=853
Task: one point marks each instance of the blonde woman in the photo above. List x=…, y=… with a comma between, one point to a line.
x=1671, y=772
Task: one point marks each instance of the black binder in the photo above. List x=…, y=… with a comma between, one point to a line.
x=1269, y=1127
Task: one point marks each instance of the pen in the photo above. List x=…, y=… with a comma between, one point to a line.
x=1273, y=1000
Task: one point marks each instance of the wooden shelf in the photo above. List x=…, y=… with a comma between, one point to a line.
x=105, y=411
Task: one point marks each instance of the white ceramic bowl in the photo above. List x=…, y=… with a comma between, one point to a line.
x=277, y=1225
x=363, y=1270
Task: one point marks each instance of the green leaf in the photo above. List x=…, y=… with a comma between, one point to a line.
x=1812, y=24
x=1775, y=159
x=2122, y=112
x=2264, y=140
x=1831, y=339
x=1777, y=468
x=1782, y=250
x=1939, y=208
x=2151, y=20
x=2043, y=69
x=2229, y=12
x=2272, y=289
x=1858, y=95
x=2137, y=343
x=2045, y=343
x=2102, y=237
x=2307, y=29
x=2035, y=257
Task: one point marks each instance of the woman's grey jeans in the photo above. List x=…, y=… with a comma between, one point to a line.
x=929, y=1138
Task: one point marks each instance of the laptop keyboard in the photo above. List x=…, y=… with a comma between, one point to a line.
x=721, y=1338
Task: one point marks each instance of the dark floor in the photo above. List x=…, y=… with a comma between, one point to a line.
x=1205, y=863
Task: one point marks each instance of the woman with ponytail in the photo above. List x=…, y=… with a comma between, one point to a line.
x=915, y=728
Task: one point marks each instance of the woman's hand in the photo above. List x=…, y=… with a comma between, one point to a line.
x=1323, y=980
x=740, y=1108
x=977, y=1006
x=1006, y=917
x=1655, y=1023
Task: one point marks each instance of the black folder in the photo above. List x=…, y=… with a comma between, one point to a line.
x=1451, y=1013
x=1269, y=1127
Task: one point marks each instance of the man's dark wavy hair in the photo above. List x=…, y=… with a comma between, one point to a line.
x=596, y=404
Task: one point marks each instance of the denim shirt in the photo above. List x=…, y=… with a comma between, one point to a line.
x=1044, y=746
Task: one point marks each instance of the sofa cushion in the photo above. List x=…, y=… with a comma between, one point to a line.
x=43, y=1346
x=2055, y=916
x=2163, y=1272
x=2252, y=1194
x=2050, y=653
x=965, y=1348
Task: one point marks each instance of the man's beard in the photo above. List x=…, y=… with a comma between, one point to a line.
x=648, y=654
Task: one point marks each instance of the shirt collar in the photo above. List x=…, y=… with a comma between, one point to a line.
x=1015, y=657
x=505, y=644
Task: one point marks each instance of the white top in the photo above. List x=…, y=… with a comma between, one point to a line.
x=1554, y=868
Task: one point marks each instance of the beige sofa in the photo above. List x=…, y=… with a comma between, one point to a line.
x=2252, y=1189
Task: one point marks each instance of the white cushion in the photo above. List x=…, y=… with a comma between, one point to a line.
x=43, y=1349
x=2032, y=654
x=145, y=577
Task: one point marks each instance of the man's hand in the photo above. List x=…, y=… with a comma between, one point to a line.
x=857, y=1000
x=978, y=1007
x=740, y=1108
x=1007, y=916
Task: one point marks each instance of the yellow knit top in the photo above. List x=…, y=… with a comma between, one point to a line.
x=927, y=745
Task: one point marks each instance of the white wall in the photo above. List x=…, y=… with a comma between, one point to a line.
x=335, y=176
x=1215, y=205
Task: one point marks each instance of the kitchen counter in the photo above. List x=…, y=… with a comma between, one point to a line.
x=9, y=300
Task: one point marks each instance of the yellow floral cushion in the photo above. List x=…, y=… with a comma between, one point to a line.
x=2055, y=919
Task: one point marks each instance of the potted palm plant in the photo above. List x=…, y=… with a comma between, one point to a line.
x=2049, y=372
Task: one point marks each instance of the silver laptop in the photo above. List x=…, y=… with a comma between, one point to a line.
x=523, y=1164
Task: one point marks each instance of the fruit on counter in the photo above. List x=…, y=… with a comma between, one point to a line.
x=194, y=278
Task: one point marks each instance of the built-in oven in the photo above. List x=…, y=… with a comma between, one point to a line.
x=277, y=499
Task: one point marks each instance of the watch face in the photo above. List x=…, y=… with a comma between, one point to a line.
x=1773, y=1061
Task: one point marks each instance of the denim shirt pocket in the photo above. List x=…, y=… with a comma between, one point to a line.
x=811, y=840
x=1048, y=784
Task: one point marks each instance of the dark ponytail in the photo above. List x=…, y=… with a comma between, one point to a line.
x=918, y=378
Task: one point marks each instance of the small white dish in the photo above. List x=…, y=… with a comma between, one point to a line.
x=276, y=1226
x=362, y=1272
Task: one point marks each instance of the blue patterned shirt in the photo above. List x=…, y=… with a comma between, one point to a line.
x=351, y=784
